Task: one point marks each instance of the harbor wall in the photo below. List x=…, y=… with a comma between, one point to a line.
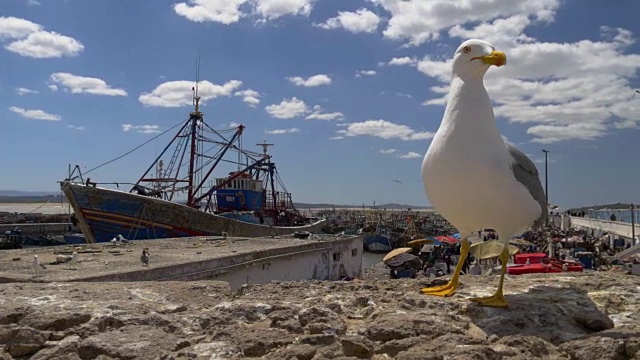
x=324, y=260
x=39, y=228
x=621, y=229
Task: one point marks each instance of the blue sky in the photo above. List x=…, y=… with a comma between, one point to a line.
x=355, y=88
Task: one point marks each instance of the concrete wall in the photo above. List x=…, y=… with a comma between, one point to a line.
x=319, y=260
x=614, y=227
x=326, y=264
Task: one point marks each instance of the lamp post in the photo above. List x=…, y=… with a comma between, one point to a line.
x=546, y=182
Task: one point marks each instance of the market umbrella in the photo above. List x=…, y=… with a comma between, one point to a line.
x=428, y=241
x=395, y=252
x=447, y=239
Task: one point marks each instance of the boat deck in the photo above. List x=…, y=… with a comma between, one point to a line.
x=170, y=259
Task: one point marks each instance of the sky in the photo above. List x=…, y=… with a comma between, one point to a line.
x=350, y=92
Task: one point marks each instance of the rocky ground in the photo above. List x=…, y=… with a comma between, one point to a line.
x=557, y=316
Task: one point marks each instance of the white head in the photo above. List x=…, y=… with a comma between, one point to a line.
x=35, y=259
x=74, y=256
x=473, y=58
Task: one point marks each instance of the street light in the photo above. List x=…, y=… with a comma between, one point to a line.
x=546, y=183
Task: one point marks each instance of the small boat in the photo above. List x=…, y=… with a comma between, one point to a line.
x=11, y=239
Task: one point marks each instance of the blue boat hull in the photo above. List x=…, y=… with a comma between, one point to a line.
x=104, y=213
x=377, y=243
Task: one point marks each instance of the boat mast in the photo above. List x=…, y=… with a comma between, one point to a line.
x=194, y=117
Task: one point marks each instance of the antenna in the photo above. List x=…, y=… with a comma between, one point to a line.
x=265, y=147
x=196, y=98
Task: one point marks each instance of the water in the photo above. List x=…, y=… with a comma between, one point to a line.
x=370, y=259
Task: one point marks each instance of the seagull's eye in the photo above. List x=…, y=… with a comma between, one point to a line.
x=466, y=49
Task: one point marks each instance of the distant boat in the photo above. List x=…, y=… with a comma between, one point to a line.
x=249, y=201
x=378, y=240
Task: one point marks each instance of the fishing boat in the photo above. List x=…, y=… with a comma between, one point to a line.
x=377, y=236
x=250, y=201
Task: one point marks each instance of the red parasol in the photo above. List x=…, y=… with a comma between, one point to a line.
x=447, y=239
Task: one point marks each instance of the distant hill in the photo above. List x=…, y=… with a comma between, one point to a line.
x=19, y=193
x=35, y=199
x=391, y=206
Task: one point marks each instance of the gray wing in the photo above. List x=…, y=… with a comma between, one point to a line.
x=526, y=173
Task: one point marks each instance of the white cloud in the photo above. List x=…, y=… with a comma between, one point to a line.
x=418, y=21
x=336, y=138
x=384, y=129
x=231, y=11
x=563, y=91
x=287, y=109
x=178, y=93
x=24, y=91
x=360, y=21
x=401, y=61
x=85, y=85
x=143, y=129
x=29, y=39
x=410, y=155
x=249, y=96
x=273, y=9
x=234, y=124
x=360, y=73
x=319, y=114
x=35, y=114
x=294, y=107
x=502, y=33
x=547, y=134
x=387, y=151
x=397, y=93
x=282, y=131
x=33, y=2
x=221, y=11
x=315, y=80
x=53, y=87
x=74, y=127
x=16, y=28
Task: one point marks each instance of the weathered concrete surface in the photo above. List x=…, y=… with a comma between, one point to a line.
x=282, y=258
x=551, y=317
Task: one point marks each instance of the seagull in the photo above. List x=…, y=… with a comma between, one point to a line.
x=74, y=261
x=471, y=176
x=37, y=266
x=144, y=257
x=396, y=181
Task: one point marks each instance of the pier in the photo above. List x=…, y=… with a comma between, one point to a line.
x=237, y=261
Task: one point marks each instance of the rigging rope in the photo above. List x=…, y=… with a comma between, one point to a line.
x=134, y=149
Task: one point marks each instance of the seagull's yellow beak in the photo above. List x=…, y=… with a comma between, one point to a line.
x=497, y=58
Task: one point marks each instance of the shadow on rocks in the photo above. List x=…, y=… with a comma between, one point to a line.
x=555, y=314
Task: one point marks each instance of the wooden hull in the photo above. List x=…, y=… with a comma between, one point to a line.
x=104, y=213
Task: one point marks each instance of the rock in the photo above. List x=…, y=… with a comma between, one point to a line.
x=286, y=320
x=322, y=321
x=294, y=352
x=63, y=349
x=393, y=347
x=596, y=348
x=530, y=346
x=138, y=342
x=319, y=340
x=25, y=341
x=13, y=315
x=57, y=321
x=400, y=326
x=357, y=346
